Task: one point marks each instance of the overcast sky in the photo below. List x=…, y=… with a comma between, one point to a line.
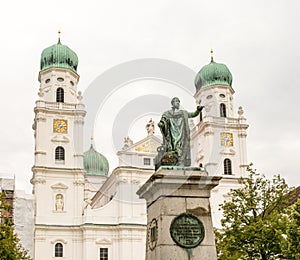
x=257, y=40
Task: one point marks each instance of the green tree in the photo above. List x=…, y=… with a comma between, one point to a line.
x=10, y=247
x=291, y=246
x=255, y=219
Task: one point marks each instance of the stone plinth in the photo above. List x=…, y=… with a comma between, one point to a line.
x=170, y=192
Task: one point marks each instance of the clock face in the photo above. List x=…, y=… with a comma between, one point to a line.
x=226, y=139
x=60, y=126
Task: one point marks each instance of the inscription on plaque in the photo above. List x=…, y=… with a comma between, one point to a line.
x=187, y=230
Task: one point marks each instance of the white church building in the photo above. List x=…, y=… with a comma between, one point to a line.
x=84, y=213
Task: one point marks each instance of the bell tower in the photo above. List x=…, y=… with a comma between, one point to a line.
x=219, y=137
x=58, y=174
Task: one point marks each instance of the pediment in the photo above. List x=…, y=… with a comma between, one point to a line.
x=59, y=186
x=59, y=240
x=60, y=139
x=103, y=242
x=146, y=145
x=228, y=152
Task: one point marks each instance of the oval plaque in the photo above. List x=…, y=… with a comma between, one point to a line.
x=187, y=230
x=152, y=234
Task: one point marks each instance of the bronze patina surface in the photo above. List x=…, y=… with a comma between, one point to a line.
x=187, y=230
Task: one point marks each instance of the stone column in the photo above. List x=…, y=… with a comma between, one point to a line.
x=179, y=224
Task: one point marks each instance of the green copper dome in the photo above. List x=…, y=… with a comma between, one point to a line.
x=212, y=74
x=60, y=56
x=95, y=163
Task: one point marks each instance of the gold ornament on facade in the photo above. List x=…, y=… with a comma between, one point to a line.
x=60, y=126
x=226, y=139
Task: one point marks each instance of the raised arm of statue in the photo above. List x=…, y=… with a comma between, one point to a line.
x=196, y=113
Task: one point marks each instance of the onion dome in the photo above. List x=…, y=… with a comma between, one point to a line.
x=213, y=74
x=59, y=56
x=95, y=163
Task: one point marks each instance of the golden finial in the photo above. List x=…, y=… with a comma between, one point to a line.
x=59, y=32
x=211, y=55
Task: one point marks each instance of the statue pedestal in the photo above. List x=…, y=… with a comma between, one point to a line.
x=179, y=224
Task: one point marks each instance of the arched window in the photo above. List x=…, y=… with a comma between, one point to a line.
x=60, y=95
x=59, y=250
x=59, y=154
x=201, y=116
x=227, y=167
x=222, y=110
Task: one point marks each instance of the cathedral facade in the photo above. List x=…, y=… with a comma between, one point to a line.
x=82, y=211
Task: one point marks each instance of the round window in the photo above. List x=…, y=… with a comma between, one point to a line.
x=60, y=79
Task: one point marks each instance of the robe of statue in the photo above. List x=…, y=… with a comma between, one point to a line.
x=175, y=129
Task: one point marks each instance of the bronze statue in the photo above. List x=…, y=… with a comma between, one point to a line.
x=175, y=130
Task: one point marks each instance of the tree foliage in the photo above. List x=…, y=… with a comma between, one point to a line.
x=10, y=247
x=256, y=219
x=291, y=248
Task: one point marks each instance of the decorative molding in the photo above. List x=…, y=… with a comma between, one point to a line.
x=228, y=152
x=135, y=181
x=47, y=89
x=78, y=155
x=60, y=139
x=41, y=94
x=40, y=118
x=40, y=152
x=208, y=131
x=103, y=242
x=122, y=180
x=56, y=211
x=38, y=180
x=72, y=92
x=37, y=238
x=79, y=121
x=59, y=240
x=59, y=186
x=211, y=164
x=79, y=183
x=242, y=134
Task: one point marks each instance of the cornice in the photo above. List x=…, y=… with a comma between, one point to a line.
x=52, y=111
x=54, y=70
x=38, y=169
